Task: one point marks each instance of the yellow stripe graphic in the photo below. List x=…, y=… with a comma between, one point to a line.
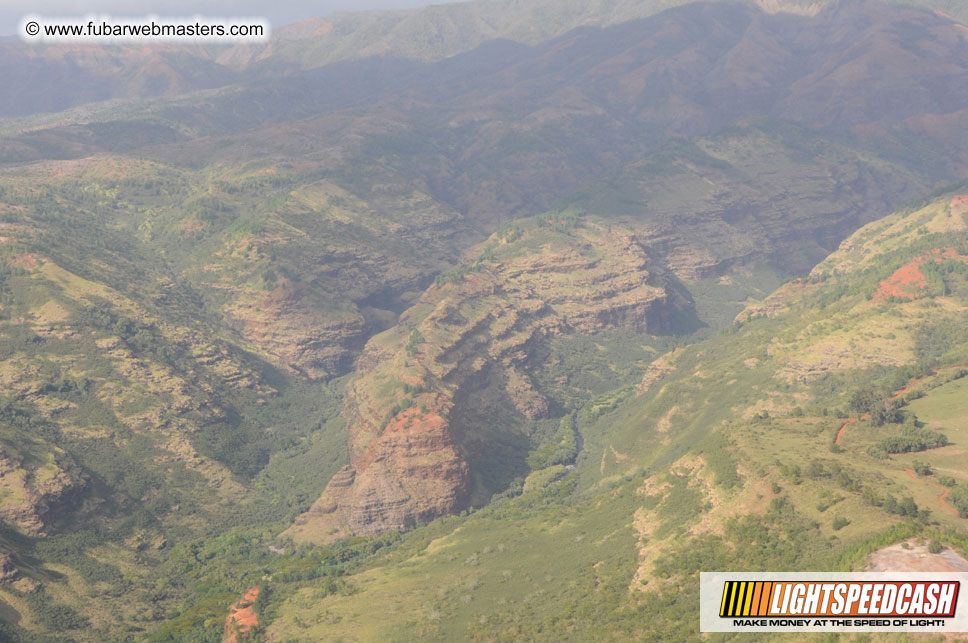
x=749, y=598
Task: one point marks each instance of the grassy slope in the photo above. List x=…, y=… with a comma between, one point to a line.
x=167, y=414
x=201, y=254
x=658, y=496
x=141, y=266
x=130, y=291
x=167, y=253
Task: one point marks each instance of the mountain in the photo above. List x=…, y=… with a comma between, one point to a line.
x=806, y=436
x=289, y=335
x=52, y=78
x=425, y=438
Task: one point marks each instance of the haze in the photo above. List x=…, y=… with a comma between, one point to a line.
x=278, y=14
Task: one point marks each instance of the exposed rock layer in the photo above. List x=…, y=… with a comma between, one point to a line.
x=413, y=435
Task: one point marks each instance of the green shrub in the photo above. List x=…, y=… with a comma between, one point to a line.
x=543, y=478
x=911, y=440
x=904, y=507
x=947, y=481
x=959, y=499
x=416, y=339
x=562, y=448
x=922, y=468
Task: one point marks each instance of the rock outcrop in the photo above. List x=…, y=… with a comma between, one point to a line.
x=8, y=570
x=432, y=389
x=300, y=337
x=32, y=491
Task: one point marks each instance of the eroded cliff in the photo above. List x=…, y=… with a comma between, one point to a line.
x=437, y=390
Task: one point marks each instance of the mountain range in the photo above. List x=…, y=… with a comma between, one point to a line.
x=391, y=307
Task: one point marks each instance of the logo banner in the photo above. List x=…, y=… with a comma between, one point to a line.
x=833, y=602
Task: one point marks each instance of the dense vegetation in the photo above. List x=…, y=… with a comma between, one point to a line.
x=187, y=285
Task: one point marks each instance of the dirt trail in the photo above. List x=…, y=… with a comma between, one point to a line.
x=944, y=491
x=843, y=428
x=907, y=387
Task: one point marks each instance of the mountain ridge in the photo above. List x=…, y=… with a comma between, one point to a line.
x=427, y=34
x=477, y=329
x=411, y=312
x=720, y=462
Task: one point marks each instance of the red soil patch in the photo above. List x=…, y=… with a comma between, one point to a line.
x=417, y=428
x=26, y=261
x=304, y=166
x=242, y=616
x=189, y=225
x=794, y=285
x=245, y=241
x=959, y=202
x=899, y=393
x=908, y=279
x=948, y=253
x=414, y=419
x=904, y=283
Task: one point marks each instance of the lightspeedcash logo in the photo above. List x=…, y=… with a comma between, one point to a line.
x=825, y=602
x=850, y=598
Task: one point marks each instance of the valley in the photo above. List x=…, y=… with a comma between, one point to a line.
x=771, y=489
x=509, y=330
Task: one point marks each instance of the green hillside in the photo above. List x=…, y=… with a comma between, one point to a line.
x=505, y=331
x=723, y=458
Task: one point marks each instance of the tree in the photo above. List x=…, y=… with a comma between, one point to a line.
x=416, y=338
x=863, y=400
x=887, y=412
x=908, y=507
x=890, y=504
